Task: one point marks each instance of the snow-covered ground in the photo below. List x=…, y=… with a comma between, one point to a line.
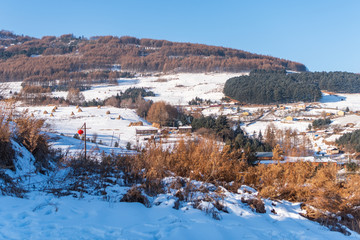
x=108, y=127
x=341, y=101
x=47, y=217
x=8, y=89
x=42, y=215
x=348, y=119
x=261, y=126
x=175, y=89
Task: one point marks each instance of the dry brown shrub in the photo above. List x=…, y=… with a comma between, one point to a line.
x=10, y=187
x=256, y=204
x=29, y=134
x=316, y=186
x=135, y=195
x=136, y=124
x=178, y=183
x=206, y=132
x=153, y=187
x=6, y=151
x=161, y=80
x=201, y=160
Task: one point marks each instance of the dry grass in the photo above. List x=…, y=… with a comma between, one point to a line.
x=161, y=80
x=135, y=195
x=29, y=134
x=205, y=161
x=6, y=152
x=256, y=204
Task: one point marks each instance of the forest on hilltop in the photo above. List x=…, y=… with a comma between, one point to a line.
x=273, y=87
x=263, y=87
x=41, y=61
x=339, y=82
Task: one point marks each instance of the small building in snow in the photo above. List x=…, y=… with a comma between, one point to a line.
x=301, y=106
x=341, y=113
x=289, y=118
x=146, y=130
x=333, y=151
x=261, y=156
x=185, y=129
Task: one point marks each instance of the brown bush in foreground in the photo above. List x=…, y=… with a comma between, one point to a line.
x=135, y=195
x=201, y=160
x=6, y=151
x=29, y=134
x=204, y=160
x=329, y=202
x=256, y=204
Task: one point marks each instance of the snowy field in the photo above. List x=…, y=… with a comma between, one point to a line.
x=8, y=89
x=261, y=126
x=348, y=119
x=341, y=101
x=108, y=127
x=175, y=89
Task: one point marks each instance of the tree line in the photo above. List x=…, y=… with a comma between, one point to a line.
x=350, y=141
x=340, y=82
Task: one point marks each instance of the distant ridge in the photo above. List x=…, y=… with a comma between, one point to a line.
x=24, y=58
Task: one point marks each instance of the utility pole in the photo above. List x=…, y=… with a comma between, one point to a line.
x=85, y=139
x=84, y=127
x=112, y=139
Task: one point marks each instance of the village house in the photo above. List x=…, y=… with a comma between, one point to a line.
x=289, y=118
x=333, y=151
x=146, y=130
x=185, y=129
x=262, y=156
x=301, y=107
x=341, y=113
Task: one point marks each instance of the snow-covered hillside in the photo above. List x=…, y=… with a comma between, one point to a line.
x=175, y=89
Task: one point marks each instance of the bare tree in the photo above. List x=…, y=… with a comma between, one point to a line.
x=75, y=96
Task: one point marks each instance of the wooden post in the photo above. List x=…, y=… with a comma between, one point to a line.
x=85, y=139
x=84, y=127
x=112, y=139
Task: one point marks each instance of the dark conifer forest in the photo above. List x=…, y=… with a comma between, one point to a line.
x=273, y=87
x=350, y=141
x=262, y=87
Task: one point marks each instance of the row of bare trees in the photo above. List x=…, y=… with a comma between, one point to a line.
x=291, y=141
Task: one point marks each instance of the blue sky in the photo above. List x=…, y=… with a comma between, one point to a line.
x=323, y=35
